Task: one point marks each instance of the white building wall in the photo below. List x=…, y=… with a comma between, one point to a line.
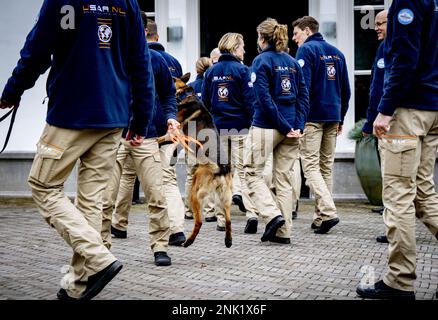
x=18, y=16
x=16, y=20
x=184, y=13
x=340, y=13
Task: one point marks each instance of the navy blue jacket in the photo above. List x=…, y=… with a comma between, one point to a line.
x=326, y=74
x=165, y=100
x=411, y=57
x=96, y=69
x=174, y=65
x=197, y=85
x=376, y=88
x=282, y=95
x=228, y=93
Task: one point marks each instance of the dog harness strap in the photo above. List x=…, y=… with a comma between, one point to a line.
x=11, y=124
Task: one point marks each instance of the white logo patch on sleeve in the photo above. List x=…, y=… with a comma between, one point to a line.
x=381, y=63
x=301, y=62
x=405, y=16
x=253, y=77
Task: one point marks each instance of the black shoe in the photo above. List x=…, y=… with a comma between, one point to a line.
x=238, y=201
x=294, y=215
x=272, y=227
x=188, y=217
x=219, y=228
x=63, y=295
x=119, y=233
x=162, y=259
x=384, y=292
x=251, y=226
x=98, y=281
x=326, y=226
x=382, y=239
x=211, y=219
x=313, y=226
x=378, y=210
x=280, y=240
x=177, y=239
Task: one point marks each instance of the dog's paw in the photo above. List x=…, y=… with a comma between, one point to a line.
x=228, y=243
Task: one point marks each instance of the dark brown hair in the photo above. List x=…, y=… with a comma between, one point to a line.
x=306, y=21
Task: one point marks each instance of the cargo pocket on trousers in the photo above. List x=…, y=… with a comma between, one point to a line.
x=399, y=156
x=45, y=162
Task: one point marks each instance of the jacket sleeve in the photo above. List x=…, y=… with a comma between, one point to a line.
x=206, y=87
x=304, y=57
x=375, y=94
x=264, y=98
x=345, y=91
x=303, y=106
x=247, y=89
x=166, y=91
x=35, y=57
x=142, y=78
x=402, y=51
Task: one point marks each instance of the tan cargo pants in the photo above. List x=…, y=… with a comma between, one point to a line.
x=259, y=145
x=175, y=205
x=79, y=225
x=295, y=178
x=147, y=162
x=408, y=153
x=317, y=157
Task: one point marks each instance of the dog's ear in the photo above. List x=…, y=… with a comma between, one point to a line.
x=185, y=78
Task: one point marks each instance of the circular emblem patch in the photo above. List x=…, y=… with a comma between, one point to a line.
x=331, y=71
x=405, y=16
x=222, y=92
x=253, y=77
x=286, y=85
x=105, y=33
x=301, y=62
x=381, y=63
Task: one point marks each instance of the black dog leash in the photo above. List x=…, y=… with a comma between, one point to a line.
x=11, y=124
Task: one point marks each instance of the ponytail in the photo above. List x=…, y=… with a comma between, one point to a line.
x=275, y=34
x=280, y=38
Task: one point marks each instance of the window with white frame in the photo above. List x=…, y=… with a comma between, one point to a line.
x=365, y=48
x=148, y=6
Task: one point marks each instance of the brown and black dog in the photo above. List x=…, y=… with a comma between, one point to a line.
x=210, y=175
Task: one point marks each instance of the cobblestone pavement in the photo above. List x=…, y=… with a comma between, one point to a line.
x=312, y=267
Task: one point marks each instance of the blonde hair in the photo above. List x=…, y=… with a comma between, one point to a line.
x=202, y=65
x=230, y=42
x=274, y=33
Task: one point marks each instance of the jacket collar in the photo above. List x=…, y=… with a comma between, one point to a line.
x=228, y=57
x=156, y=46
x=315, y=37
x=270, y=47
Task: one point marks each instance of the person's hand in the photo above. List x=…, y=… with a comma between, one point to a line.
x=134, y=139
x=7, y=105
x=364, y=134
x=172, y=124
x=339, y=130
x=295, y=134
x=381, y=125
x=173, y=127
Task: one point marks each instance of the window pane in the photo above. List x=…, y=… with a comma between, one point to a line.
x=368, y=2
x=362, y=88
x=147, y=5
x=366, y=42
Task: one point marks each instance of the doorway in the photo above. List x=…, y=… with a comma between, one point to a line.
x=220, y=17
